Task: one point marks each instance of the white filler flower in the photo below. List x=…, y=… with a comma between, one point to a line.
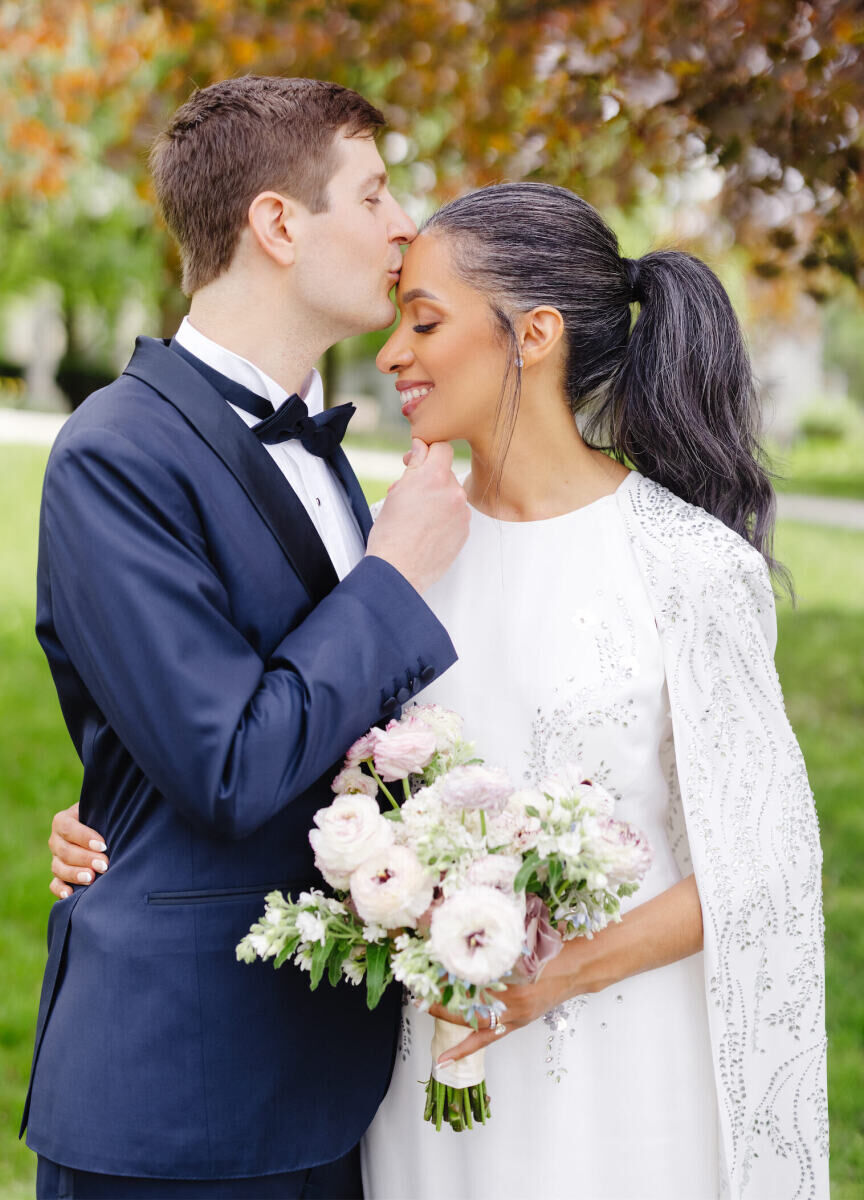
x=392, y=888
x=349, y=830
x=477, y=934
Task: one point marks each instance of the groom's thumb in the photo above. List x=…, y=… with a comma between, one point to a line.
x=417, y=454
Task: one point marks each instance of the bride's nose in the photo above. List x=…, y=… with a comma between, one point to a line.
x=394, y=356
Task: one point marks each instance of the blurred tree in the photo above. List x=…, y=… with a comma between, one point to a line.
x=624, y=101
x=606, y=98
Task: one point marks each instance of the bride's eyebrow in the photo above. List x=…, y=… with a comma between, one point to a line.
x=417, y=294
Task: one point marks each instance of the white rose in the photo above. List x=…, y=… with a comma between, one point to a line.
x=391, y=888
x=349, y=830
x=477, y=934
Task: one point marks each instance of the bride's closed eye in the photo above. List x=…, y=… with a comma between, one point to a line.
x=426, y=328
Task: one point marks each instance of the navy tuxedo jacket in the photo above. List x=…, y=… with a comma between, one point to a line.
x=211, y=671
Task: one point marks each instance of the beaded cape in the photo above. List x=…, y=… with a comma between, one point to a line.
x=743, y=819
x=743, y=813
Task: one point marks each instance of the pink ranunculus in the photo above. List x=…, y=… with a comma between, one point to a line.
x=362, y=749
x=543, y=942
x=476, y=787
x=354, y=779
x=403, y=748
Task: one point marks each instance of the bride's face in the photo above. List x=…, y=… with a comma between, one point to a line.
x=448, y=354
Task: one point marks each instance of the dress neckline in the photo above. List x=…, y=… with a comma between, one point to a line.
x=625, y=483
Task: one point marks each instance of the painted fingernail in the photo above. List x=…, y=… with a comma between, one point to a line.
x=65, y=894
x=100, y=865
x=99, y=847
x=84, y=876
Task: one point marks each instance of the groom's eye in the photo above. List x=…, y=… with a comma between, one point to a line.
x=373, y=200
x=425, y=328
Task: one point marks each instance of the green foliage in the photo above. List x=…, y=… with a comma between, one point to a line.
x=821, y=662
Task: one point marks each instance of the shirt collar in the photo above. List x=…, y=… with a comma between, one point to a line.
x=242, y=371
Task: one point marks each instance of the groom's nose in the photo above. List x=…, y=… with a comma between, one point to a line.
x=402, y=229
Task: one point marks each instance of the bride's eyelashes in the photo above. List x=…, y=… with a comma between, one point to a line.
x=426, y=328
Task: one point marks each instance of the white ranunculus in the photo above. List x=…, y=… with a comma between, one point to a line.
x=349, y=830
x=513, y=828
x=475, y=787
x=354, y=779
x=311, y=928
x=392, y=888
x=623, y=852
x=477, y=934
x=444, y=723
x=494, y=870
x=423, y=808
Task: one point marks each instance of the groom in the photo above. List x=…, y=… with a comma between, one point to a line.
x=221, y=622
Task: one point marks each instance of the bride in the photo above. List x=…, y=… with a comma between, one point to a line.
x=601, y=618
x=615, y=610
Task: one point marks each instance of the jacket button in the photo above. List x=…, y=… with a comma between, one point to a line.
x=404, y=695
x=427, y=673
x=389, y=705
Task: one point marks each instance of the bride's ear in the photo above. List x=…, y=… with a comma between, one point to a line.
x=541, y=332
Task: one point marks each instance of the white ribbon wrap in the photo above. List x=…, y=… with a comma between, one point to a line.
x=464, y=1072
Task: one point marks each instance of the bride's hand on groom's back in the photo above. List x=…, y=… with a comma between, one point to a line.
x=77, y=853
x=424, y=521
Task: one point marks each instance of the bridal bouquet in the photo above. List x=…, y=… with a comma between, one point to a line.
x=467, y=885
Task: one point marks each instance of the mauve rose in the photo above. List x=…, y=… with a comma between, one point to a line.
x=404, y=748
x=543, y=942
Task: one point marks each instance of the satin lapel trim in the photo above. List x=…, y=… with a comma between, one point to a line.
x=339, y=462
x=177, y=382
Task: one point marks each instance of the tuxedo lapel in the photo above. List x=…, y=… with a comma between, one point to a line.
x=178, y=382
x=339, y=462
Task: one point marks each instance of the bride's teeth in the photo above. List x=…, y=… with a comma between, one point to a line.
x=415, y=394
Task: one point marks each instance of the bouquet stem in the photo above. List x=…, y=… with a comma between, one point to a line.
x=454, y=1106
x=456, y=1092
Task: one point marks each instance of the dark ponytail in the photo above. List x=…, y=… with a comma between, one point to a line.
x=682, y=407
x=675, y=394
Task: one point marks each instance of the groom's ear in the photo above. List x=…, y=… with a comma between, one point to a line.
x=541, y=330
x=273, y=222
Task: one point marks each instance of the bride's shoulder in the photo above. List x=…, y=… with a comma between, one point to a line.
x=376, y=508
x=694, y=543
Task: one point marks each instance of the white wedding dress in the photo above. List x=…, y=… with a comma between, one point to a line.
x=611, y=1096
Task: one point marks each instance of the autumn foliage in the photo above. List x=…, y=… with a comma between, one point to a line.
x=608, y=98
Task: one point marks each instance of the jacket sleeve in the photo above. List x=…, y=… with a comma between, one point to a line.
x=146, y=621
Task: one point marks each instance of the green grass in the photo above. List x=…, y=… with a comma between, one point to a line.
x=821, y=663
x=822, y=467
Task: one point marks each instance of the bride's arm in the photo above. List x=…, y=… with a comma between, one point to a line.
x=660, y=931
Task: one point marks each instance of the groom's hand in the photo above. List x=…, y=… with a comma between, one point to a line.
x=77, y=852
x=424, y=521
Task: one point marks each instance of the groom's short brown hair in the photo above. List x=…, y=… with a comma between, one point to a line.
x=240, y=137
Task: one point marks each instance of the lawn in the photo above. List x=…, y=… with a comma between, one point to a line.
x=821, y=664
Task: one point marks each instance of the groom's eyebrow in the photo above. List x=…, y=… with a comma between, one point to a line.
x=379, y=180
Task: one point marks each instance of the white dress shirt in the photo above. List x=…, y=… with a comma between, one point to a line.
x=312, y=478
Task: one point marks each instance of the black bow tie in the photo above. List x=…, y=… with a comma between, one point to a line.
x=319, y=435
